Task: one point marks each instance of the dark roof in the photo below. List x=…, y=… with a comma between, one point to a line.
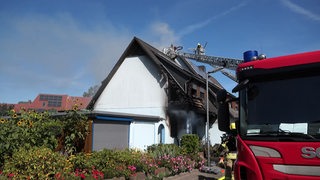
x=180, y=74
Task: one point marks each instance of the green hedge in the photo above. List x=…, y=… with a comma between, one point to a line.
x=190, y=144
x=36, y=163
x=32, y=129
x=159, y=150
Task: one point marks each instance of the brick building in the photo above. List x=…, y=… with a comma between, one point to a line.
x=53, y=102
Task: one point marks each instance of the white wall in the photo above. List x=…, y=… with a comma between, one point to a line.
x=215, y=134
x=142, y=135
x=136, y=88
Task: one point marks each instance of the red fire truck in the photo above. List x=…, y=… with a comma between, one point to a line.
x=278, y=131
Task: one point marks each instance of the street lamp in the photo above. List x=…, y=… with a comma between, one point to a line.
x=207, y=101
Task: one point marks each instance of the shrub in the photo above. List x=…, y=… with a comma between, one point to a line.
x=177, y=164
x=190, y=144
x=31, y=129
x=160, y=150
x=75, y=130
x=113, y=163
x=173, y=158
x=36, y=163
x=27, y=130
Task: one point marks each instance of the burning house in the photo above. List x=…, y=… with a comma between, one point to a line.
x=150, y=98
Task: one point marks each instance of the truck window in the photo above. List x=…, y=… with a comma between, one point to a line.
x=278, y=108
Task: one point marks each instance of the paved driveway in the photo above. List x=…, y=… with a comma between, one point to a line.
x=194, y=175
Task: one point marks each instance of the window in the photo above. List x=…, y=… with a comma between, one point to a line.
x=161, y=134
x=54, y=103
x=276, y=108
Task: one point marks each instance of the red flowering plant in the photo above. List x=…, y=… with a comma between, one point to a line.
x=6, y=175
x=132, y=169
x=110, y=163
x=80, y=174
x=96, y=174
x=177, y=164
x=83, y=174
x=174, y=158
x=150, y=164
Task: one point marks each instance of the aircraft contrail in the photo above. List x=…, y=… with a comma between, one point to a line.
x=300, y=10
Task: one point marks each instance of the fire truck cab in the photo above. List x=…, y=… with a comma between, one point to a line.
x=278, y=131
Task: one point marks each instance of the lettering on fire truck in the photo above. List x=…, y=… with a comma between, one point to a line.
x=310, y=152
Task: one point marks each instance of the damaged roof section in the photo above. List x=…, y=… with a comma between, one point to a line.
x=184, y=77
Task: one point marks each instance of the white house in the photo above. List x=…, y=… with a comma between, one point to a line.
x=149, y=98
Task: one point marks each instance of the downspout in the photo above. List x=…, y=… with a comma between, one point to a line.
x=186, y=86
x=167, y=83
x=167, y=119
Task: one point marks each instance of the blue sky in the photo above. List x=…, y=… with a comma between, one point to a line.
x=64, y=47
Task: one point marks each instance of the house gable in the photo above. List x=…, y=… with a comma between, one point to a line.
x=136, y=48
x=137, y=87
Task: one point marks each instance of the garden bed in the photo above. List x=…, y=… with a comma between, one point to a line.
x=41, y=146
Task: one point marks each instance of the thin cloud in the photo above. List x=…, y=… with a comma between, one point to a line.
x=300, y=10
x=41, y=52
x=54, y=54
x=193, y=27
x=59, y=47
x=160, y=34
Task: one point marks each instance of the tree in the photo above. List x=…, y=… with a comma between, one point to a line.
x=91, y=91
x=4, y=108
